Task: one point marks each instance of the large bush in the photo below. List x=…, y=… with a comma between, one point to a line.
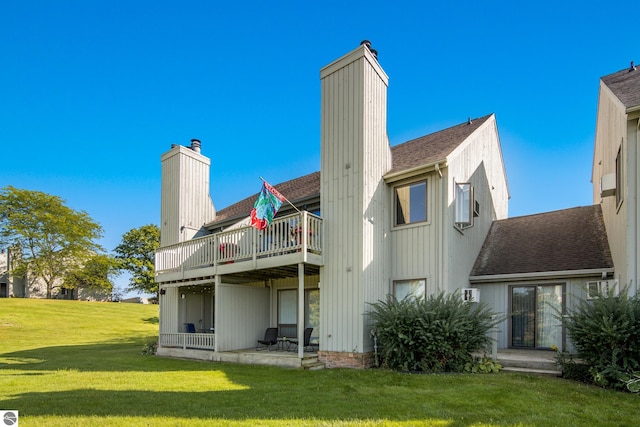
x=433, y=334
x=606, y=334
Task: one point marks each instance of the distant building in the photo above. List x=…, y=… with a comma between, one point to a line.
x=21, y=287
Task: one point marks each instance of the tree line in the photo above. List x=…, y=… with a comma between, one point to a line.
x=54, y=245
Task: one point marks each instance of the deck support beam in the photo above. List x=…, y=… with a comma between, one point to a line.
x=300, y=310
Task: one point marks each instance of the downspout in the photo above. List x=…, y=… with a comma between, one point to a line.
x=439, y=252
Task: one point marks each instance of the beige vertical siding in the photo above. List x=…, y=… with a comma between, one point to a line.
x=415, y=248
x=611, y=132
x=479, y=161
x=169, y=311
x=633, y=210
x=185, y=199
x=242, y=318
x=355, y=154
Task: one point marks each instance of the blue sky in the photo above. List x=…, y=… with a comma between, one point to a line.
x=93, y=92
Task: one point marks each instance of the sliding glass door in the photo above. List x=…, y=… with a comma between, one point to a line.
x=288, y=311
x=534, y=319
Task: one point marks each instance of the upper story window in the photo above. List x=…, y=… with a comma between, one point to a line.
x=619, y=171
x=411, y=203
x=464, y=205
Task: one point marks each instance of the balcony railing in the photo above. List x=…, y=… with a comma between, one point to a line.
x=300, y=232
x=185, y=340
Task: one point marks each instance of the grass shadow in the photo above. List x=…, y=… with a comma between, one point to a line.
x=152, y=320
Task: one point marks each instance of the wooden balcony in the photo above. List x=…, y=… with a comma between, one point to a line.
x=245, y=252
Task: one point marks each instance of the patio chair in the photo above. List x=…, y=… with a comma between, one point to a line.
x=307, y=340
x=191, y=328
x=270, y=338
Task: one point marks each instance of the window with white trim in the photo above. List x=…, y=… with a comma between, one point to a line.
x=619, y=171
x=464, y=205
x=411, y=203
x=404, y=288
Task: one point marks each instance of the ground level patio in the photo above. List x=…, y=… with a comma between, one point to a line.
x=251, y=356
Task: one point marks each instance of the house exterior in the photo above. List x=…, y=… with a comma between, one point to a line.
x=616, y=166
x=423, y=217
x=535, y=268
x=376, y=220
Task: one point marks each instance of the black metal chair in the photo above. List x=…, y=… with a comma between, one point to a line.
x=307, y=340
x=270, y=338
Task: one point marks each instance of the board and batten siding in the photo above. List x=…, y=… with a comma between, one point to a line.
x=355, y=154
x=243, y=317
x=478, y=160
x=185, y=198
x=169, y=311
x=416, y=248
x=611, y=133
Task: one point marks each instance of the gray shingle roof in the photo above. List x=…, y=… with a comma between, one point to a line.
x=433, y=147
x=417, y=152
x=564, y=240
x=625, y=85
x=295, y=190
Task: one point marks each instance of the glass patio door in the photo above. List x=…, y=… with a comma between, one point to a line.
x=534, y=322
x=288, y=311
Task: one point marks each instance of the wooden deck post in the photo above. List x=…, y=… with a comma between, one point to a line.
x=300, y=310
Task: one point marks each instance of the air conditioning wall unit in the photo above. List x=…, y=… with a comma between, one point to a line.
x=471, y=295
x=608, y=185
x=601, y=288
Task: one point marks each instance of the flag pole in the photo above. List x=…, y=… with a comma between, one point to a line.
x=283, y=196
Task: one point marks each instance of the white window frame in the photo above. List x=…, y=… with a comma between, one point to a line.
x=396, y=203
x=619, y=177
x=464, y=205
x=600, y=288
x=421, y=282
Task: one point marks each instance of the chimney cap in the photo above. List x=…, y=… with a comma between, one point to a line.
x=367, y=43
x=195, y=145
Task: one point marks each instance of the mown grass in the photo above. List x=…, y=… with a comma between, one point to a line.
x=78, y=363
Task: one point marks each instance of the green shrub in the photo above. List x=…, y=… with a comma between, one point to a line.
x=573, y=369
x=433, y=334
x=606, y=334
x=482, y=365
x=150, y=347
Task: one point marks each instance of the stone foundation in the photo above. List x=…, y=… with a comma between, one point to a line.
x=335, y=359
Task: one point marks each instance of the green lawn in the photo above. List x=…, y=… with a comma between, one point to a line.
x=79, y=363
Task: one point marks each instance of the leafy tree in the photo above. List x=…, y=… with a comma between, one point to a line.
x=47, y=238
x=95, y=274
x=136, y=253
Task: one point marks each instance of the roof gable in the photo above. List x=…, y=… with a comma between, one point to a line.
x=566, y=240
x=432, y=148
x=425, y=150
x=625, y=85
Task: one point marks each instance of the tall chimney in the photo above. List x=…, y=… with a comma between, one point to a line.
x=355, y=154
x=185, y=201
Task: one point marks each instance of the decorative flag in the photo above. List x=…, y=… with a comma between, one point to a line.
x=266, y=206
